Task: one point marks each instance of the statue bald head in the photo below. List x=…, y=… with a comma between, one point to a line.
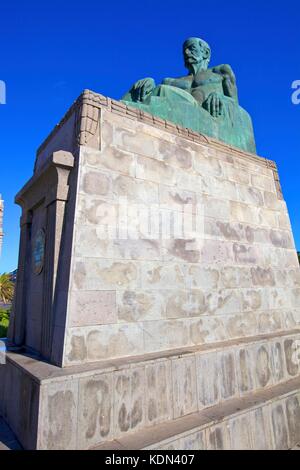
x=196, y=53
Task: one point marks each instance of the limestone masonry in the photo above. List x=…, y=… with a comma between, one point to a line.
x=158, y=342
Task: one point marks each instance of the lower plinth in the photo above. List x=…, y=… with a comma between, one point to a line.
x=223, y=395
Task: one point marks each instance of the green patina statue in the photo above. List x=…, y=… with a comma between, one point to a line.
x=206, y=100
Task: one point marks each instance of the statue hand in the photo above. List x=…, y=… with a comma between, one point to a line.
x=214, y=105
x=142, y=89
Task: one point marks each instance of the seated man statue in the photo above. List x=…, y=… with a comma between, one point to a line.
x=206, y=100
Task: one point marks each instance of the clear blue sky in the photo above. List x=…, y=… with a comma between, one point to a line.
x=52, y=50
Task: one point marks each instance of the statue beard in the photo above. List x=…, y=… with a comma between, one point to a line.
x=195, y=65
x=195, y=61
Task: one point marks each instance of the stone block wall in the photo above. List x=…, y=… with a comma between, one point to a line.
x=272, y=426
x=131, y=297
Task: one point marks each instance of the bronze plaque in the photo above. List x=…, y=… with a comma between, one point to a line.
x=39, y=252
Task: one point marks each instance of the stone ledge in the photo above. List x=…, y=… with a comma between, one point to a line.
x=42, y=372
x=90, y=98
x=217, y=414
x=87, y=110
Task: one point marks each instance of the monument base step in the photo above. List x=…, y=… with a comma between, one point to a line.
x=166, y=396
x=266, y=420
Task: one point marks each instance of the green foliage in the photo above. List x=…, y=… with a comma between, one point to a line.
x=6, y=288
x=4, y=322
x=298, y=253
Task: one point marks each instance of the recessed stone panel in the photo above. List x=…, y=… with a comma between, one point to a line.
x=207, y=369
x=227, y=375
x=245, y=370
x=293, y=419
x=240, y=433
x=292, y=355
x=129, y=400
x=159, y=393
x=95, y=413
x=195, y=441
x=184, y=386
x=260, y=425
x=218, y=438
x=279, y=426
x=59, y=415
x=262, y=361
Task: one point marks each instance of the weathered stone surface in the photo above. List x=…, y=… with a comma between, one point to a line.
x=95, y=414
x=129, y=397
x=93, y=308
x=195, y=441
x=207, y=379
x=245, y=377
x=93, y=274
x=184, y=386
x=59, y=416
x=227, y=375
x=207, y=329
x=277, y=362
x=293, y=419
x=96, y=183
x=279, y=423
x=218, y=438
x=261, y=429
x=111, y=158
x=154, y=170
x=114, y=340
x=156, y=275
x=159, y=393
x=291, y=349
x=262, y=369
x=181, y=304
x=160, y=335
x=140, y=305
x=240, y=433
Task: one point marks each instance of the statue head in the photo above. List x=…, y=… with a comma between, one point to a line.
x=196, y=53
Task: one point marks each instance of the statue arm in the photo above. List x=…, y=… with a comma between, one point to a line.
x=229, y=81
x=140, y=90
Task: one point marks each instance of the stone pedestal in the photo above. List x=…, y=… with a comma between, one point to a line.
x=133, y=335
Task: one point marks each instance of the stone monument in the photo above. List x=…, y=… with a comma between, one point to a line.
x=158, y=288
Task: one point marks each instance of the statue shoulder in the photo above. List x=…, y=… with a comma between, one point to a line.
x=225, y=70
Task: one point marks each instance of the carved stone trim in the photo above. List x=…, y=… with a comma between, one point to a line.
x=88, y=124
x=272, y=165
x=34, y=190
x=88, y=108
x=277, y=184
